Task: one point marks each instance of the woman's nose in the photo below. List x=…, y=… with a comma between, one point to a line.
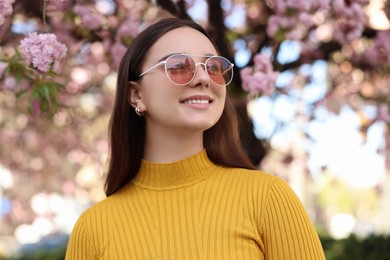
x=201, y=76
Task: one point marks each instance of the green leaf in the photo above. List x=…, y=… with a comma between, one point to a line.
x=46, y=92
x=290, y=11
x=52, y=73
x=18, y=75
x=6, y=70
x=35, y=93
x=280, y=35
x=21, y=93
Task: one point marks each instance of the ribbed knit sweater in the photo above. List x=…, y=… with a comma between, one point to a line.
x=195, y=209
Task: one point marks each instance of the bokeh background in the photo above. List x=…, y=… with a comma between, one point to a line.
x=311, y=89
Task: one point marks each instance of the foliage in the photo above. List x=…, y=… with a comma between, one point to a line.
x=374, y=247
x=37, y=92
x=41, y=254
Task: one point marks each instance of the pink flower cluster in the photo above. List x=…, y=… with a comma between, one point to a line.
x=89, y=19
x=379, y=53
x=292, y=18
x=5, y=10
x=43, y=51
x=350, y=20
x=259, y=79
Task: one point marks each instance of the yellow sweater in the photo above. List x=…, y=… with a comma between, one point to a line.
x=194, y=209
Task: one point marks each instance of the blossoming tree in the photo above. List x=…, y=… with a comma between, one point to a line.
x=58, y=61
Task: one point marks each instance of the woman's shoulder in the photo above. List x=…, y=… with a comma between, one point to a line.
x=252, y=179
x=103, y=207
x=252, y=174
x=256, y=188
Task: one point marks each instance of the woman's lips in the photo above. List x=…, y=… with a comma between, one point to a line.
x=197, y=100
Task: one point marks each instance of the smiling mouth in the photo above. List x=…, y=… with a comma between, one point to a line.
x=197, y=101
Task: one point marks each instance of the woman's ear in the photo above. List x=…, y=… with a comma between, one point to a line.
x=135, y=98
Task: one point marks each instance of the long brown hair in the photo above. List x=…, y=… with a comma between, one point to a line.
x=127, y=130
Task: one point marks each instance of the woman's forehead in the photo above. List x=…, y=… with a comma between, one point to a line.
x=182, y=40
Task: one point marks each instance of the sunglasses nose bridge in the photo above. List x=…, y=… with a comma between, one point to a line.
x=200, y=63
x=204, y=70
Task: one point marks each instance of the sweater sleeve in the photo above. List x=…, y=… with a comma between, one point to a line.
x=286, y=229
x=80, y=245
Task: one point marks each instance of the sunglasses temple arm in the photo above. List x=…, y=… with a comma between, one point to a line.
x=152, y=68
x=229, y=69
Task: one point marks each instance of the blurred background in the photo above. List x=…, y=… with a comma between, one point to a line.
x=311, y=89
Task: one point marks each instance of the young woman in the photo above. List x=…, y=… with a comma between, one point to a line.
x=179, y=185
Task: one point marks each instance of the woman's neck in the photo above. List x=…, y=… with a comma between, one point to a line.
x=170, y=146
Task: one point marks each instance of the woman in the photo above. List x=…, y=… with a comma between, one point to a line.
x=179, y=185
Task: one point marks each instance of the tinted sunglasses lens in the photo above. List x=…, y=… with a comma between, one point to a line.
x=220, y=70
x=180, y=69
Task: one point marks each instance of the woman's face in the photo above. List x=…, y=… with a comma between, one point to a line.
x=196, y=106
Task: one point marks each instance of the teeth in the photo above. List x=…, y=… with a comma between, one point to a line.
x=196, y=101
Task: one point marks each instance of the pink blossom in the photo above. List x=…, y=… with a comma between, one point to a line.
x=291, y=26
x=338, y=6
x=259, y=79
x=128, y=28
x=42, y=51
x=382, y=45
x=278, y=23
x=5, y=10
x=299, y=5
x=262, y=63
x=117, y=51
x=281, y=7
x=354, y=11
x=293, y=18
x=296, y=34
x=306, y=19
x=62, y=5
x=373, y=56
x=350, y=20
x=9, y=84
x=361, y=2
x=90, y=19
x=345, y=31
x=246, y=73
x=321, y=4
x=3, y=65
x=379, y=52
x=273, y=25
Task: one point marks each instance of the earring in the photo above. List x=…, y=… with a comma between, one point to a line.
x=138, y=111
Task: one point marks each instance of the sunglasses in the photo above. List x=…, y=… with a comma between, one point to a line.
x=181, y=68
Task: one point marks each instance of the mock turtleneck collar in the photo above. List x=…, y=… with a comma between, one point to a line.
x=161, y=176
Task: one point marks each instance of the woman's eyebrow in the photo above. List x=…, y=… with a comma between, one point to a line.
x=189, y=54
x=210, y=54
x=168, y=55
